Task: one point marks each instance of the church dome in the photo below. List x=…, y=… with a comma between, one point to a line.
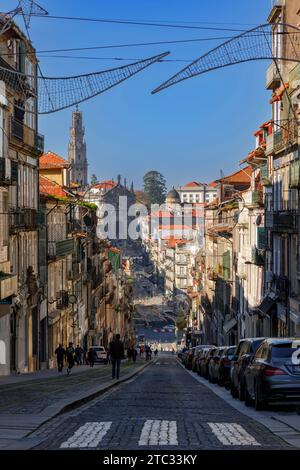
x=173, y=197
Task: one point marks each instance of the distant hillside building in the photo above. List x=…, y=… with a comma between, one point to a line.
x=197, y=193
x=77, y=151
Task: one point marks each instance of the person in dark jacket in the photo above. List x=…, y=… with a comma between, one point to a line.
x=116, y=351
x=70, y=356
x=92, y=356
x=60, y=354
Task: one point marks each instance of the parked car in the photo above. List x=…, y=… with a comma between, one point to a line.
x=272, y=377
x=197, y=353
x=213, y=364
x=201, y=363
x=101, y=354
x=207, y=359
x=181, y=353
x=244, y=353
x=225, y=366
x=188, y=358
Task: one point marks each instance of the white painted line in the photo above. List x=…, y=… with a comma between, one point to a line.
x=157, y=432
x=232, y=434
x=88, y=435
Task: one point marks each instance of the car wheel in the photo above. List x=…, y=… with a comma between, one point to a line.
x=258, y=404
x=248, y=400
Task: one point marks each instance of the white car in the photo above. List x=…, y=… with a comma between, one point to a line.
x=101, y=354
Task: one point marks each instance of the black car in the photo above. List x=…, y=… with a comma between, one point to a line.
x=225, y=365
x=244, y=353
x=201, y=360
x=273, y=376
x=188, y=359
x=181, y=353
x=207, y=359
x=213, y=365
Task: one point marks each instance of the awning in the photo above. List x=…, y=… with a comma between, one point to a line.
x=295, y=317
x=266, y=305
x=229, y=325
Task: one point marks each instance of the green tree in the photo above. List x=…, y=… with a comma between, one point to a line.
x=94, y=179
x=154, y=187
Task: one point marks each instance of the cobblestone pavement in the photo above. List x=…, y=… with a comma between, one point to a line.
x=34, y=396
x=162, y=408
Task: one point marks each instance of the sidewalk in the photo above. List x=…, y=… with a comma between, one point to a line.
x=284, y=424
x=29, y=400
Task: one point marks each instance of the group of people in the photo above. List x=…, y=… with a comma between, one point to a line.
x=147, y=350
x=72, y=355
x=115, y=354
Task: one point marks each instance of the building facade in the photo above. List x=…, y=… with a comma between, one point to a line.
x=20, y=148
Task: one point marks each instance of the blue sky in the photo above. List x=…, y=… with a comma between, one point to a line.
x=190, y=131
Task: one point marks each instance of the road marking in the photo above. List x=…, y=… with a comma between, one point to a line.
x=157, y=432
x=88, y=435
x=232, y=434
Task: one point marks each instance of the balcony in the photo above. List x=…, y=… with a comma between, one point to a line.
x=286, y=136
x=58, y=249
x=8, y=285
x=253, y=199
x=265, y=177
x=269, y=144
x=282, y=221
x=22, y=219
x=26, y=135
x=272, y=77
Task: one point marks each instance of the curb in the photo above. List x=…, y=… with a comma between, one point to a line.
x=27, y=442
x=287, y=433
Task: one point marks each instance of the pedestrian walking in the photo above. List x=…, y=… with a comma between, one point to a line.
x=155, y=352
x=60, y=354
x=134, y=354
x=92, y=357
x=70, y=352
x=116, y=351
x=78, y=355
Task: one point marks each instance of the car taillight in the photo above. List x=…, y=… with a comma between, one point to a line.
x=270, y=371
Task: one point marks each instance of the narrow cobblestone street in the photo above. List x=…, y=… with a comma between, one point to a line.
x=164, y=407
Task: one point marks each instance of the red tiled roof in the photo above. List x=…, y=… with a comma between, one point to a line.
x=213, y=184
x=108, y=184
x=173, y=242
x=192, y=184
x=52, y=160
x=50, y=188
x=240, y=176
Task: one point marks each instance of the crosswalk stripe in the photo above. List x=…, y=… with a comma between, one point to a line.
x=88, y=435
x=157, y=432
x=232, y=434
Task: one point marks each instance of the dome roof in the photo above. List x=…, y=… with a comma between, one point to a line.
x=173, y=197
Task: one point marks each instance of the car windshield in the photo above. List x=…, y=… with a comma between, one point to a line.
x=285, y=350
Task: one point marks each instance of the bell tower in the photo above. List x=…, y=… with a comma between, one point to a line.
x=77, y=151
